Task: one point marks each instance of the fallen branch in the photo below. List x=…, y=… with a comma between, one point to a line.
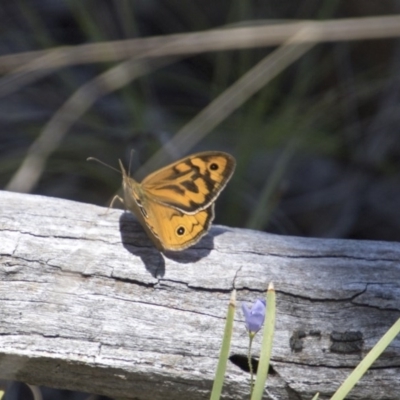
x=89, y=304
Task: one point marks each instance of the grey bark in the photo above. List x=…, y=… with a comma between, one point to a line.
x=87, y=303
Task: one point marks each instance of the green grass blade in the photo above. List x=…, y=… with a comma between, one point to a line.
x=266, y=345
x=315, y=397
x=369, y=359
x=259, y=216
x=224, y=354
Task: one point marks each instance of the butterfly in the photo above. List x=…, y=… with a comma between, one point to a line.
x=175, y=204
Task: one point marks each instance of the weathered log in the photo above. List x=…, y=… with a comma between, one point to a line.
x=87, y=303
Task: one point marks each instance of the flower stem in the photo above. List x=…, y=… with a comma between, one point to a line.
x=251, y=336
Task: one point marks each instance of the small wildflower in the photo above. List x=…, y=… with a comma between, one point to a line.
x=254, y=317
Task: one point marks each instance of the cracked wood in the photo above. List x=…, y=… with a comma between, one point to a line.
x=89, y=304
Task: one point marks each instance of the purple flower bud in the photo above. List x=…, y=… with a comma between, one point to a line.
x=255, y=316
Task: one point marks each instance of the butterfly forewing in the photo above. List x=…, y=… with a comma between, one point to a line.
x=190, y=184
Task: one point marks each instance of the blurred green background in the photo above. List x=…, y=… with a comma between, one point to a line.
x=317, y=148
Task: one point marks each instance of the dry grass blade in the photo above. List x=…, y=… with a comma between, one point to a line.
x=198, y=42
x=299, y=36
x=28, y=67
x=30, y=72
x=36, y=393
x=232, y=98
x=47, y=63
x=28, y=174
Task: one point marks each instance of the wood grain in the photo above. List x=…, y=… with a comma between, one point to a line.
x=89, y=304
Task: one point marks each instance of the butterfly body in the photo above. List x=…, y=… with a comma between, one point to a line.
x=175, y=204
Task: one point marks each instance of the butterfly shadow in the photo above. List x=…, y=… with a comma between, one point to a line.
x=135, y=240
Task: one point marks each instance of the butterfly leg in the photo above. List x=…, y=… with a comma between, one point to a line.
x=116, y=197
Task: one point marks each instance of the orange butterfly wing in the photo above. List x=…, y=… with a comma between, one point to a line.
x=175, y=204
x=190, y=184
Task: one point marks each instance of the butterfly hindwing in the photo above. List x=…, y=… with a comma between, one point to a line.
x=182, y=230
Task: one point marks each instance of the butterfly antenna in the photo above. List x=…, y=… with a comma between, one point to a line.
x=103, y=163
